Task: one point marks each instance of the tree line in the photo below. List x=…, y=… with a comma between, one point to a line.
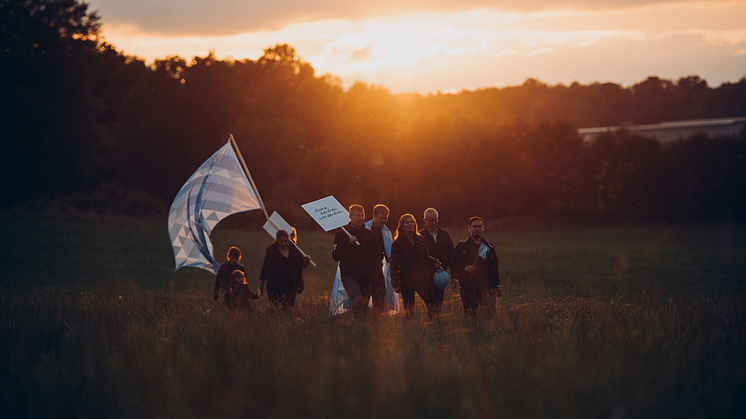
x=89, y=126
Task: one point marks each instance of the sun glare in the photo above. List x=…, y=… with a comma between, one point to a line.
x=402, y=45
x=394, y=45
x=422, y=51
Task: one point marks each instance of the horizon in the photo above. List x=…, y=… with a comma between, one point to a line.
x=445, y=48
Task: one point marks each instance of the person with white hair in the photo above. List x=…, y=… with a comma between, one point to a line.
x=439, y=245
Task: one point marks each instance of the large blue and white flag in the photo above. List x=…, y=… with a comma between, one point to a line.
x=216, y=190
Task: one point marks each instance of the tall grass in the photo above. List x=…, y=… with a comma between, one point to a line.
x=99, y=337
x=81, y=354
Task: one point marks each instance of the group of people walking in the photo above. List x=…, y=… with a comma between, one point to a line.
x=414, y=256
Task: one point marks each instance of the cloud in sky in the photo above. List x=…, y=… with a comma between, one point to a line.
x=451, y=46
x=229, y=17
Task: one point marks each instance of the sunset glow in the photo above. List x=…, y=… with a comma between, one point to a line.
x=430, y=52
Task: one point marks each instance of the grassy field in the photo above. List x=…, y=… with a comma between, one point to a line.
x=597, y=323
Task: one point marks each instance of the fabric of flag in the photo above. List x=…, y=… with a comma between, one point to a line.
x=216, y=190
x=340, y=301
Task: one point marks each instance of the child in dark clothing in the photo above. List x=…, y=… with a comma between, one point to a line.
x=223, y=278
x=238, y=295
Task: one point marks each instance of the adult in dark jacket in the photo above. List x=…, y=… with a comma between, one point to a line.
x=474, y=266
x=383, y=237
x=409, y=263
x=357, y=254
x=238, y=295
x=439, y=245
x=283, y=272
x=223, y=278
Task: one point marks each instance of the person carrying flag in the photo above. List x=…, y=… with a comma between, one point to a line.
x=474, y=266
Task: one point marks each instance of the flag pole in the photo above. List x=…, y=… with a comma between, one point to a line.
x=256, y=191
x=248, y=174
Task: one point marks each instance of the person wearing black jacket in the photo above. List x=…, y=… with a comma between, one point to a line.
x=383, y=236
x=474, y=266
x=409, y=264
x=356, y=255
x=439, y=245
x=283, y=272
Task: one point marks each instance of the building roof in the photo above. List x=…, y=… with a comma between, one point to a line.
x=672, y=130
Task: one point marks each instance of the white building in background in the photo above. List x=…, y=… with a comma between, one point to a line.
x=670, y=131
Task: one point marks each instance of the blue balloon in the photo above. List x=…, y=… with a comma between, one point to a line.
x=441, y=278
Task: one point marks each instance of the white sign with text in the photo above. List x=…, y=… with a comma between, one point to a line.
x=328, y=212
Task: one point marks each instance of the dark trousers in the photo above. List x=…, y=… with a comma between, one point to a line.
x=285, y=301
x=426, y=291
x=478, y=295
x=378, y=292
x=359, y=294
x=439, y=293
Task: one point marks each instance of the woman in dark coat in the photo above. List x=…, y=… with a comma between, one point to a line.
x=283, y=272
x=409, y=259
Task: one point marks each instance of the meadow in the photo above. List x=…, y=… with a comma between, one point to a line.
x=596, y=323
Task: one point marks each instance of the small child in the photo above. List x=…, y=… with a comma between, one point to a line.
x=238, y=294
x=223, y=278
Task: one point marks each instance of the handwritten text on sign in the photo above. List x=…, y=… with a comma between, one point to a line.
x=328, y=212
x=325, y=212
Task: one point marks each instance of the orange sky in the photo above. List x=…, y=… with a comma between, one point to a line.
x=438, y=45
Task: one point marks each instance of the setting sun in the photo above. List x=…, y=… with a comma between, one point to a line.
x=434, y=51
x=395, y=45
